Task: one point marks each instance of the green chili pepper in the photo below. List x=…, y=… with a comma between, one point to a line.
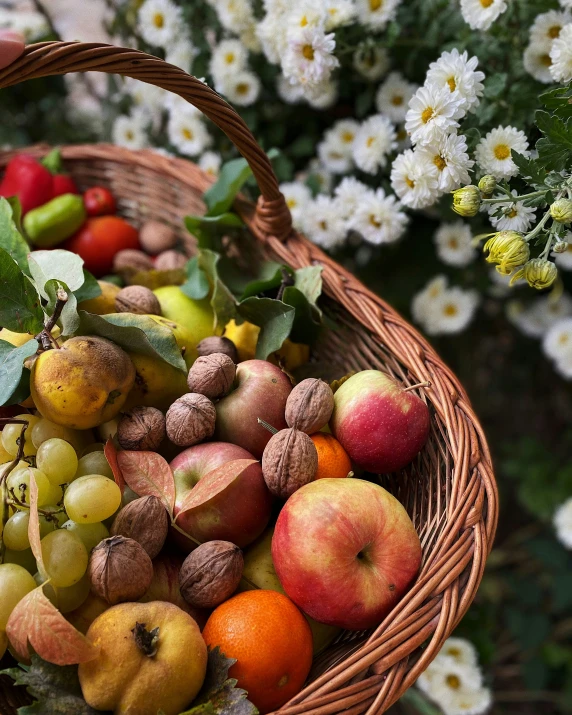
x=55, y=221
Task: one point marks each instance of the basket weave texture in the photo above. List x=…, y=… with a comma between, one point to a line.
x=449, y=490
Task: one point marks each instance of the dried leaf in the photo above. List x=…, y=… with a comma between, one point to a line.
x=37, y=622
x=34, y=527
x=111, y=455
x=148, y=474
x=214, y=483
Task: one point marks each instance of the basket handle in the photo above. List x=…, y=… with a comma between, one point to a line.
x=54, y=58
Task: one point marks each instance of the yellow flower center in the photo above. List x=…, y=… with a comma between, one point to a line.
x=452, y=84
x=569, y=249
x=554, y=31
x=188, y=134
x=401, y=135
x=452, y=681
x=563, y=339
x=410, y=182
x=427, y=114
x=323, y=225
x=242, y=88
x=229, y=58
x=502, y=151
x=453, y=243
x=291, y=203
x=374, y=221
x=129, y=135
x=158, y=20
x=453, y=652
x=512, y=213
x=370, y=141
x=375, y=5
x=487, y=3
x=308, y=52
x=439, y=162
x=347, y=137
x=397, y=100
x=434, y=292
x=545, y=60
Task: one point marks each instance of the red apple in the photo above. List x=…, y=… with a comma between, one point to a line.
x=345, y=551
x=261, y=390
x=380, y=426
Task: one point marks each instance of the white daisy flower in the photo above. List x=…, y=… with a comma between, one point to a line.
x=372, y=62
x=335, y=151
x=297, y=196
x=188, y=133
x=290, y=92
x=462, y=651
x=394, y=95
x=147, y=99
x=557, y=341
x=271, y=31
x=562, y=521
x=564, y=260
x=324, y=223
x=513, y=215
x=403, y=139
x=309, y=56
x=32, y=25
x=451, y=312
x=338, y=13
x=480, y=14
x=345, y=132
x=241, y=88
x=547, y=26
x=422, y=302
x=130, y=131
x=449, y=154
x=375, y=14
x=432, y=112
x=321, y=175
x=454, y=242
x=561, y=56
x=249, y=38
x=536, y=61
x=234, y=15
x=323, y=95
x=210, y=162
x=566, y=4
x=374, y=141
x=182, y=54
x=228, y=57
x=459, y=74
x=415, y=179
x=493, y=153
x=349, y=193
x=540, y=315
x=159, y=22
x=378, y=218
x=306, y=13
x=467, y=701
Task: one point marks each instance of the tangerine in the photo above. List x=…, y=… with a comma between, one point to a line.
x=271, y=641
x=333, y=460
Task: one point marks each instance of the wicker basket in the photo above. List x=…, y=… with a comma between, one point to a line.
x=449, y=491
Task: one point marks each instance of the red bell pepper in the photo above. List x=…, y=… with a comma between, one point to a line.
x=29, y=180
x=62, y=182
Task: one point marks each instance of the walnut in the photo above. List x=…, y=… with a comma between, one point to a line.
x=156, y=237
x=310, y=405
x=289, y=461
x=214, y=344
x=211, y=573
x=141, y=428
x=119, y=570
x=130, y=260
x=190, y=419
x=212, y=375
x=170, y=261
x=137, y=299
x=144, y=520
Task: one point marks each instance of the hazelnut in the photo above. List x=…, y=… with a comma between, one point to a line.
x=141, y=428
x=310, y=405
x=214, y=344
x=119, y=570
x=130, y=260
x=190, y=419
x=211, y=573
x=137, y=299
x=170, y=261
x=212, y=375
x=289, y=461
x=156, y=237
x=145, y=520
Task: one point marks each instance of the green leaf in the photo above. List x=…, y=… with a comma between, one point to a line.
x=204, y=227
x=90, y=288
x=270, y=277
x=197, y=285
x=555, y=148
x=275, y=319
x=495, y=84
x=134, y=333
x=305, y=328
x=219, y=694
x=558, y=101
x=53, y=161
x=20, y=308
x=309, y=282
x=220, y=196
x=530, y=170
x=56, y=264
x=11, y=239
x=222, y=300
x=69, y=319
x=12, y=367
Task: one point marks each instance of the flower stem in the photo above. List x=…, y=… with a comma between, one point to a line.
x=513, y=198
x=538, y=228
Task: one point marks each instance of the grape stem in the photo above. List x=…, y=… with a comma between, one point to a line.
x=45, y=336
x=17, y=503
x=5, y=472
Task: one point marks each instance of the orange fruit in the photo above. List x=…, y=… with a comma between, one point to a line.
x=271, y=641
x=333, y=460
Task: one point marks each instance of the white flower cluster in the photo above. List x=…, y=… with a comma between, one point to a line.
x=548, y=57
x=439, y=163
x=237, y=17
x=228, y=67
x=557, y=345
x=32, y=25
x=454, y=680
x=444, y=310
x=480, y=14
x=511, y=215
x=562, y=521
x=454, y=244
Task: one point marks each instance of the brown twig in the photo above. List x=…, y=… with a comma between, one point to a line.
x=45, y=336
x=5, y=472
x=287, y=280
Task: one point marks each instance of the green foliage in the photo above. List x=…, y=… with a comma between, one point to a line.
x=14, y=386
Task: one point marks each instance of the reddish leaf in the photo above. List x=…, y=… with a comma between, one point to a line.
x=111, y=455
x=37, y=622
x=34, y=527
x=148, y=474
x=214, y=483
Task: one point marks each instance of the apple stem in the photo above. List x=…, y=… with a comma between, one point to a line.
x=146, y=641
x=270, y=428
x=419, y=384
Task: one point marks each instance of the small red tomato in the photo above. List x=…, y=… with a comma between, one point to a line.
x=99, y=201
x=64, y=184
x=99, y=239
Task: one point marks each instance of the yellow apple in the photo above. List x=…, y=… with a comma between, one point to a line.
x=196, y=316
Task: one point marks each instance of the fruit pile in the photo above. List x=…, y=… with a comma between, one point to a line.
x=179, y=510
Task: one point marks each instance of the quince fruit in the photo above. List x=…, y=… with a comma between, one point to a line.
x=157, y=383
x=197, y=316
x=102, y=304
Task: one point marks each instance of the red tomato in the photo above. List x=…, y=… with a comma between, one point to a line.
x=64, y=184
x=99, y=239
x=99, y=201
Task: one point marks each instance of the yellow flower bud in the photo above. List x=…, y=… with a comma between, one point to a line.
x=508, y=250
x=466, y=201
x=487, y=184
x=538, y=273
x=561, y=210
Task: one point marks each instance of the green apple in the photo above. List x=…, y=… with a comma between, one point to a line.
x=197, y=316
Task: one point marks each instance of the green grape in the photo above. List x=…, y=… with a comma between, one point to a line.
x=44, y=430
x=4, y=455
x=55, y=495
x=95, y=447
x=49, y=590
x=90, y=534
x=57, y=515
x=65, y=558
x=19, y=481
x=91, y=499
x=70, y=598
x=15, y=583
x=93, y=463
x=58, y=460
x=25, y=559
x=16, y=530
x=11, y=433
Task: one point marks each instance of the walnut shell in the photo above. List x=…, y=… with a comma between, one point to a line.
x=141, y=428
x=119, y=570
x=137, y=299
x=211, y=573
x=190, y=419
x=145, y=520
x=156, y=237
x=289, y=461
x=130, y=260
x=170, y=261
x=212, y=375
x=310, y=405
x=214, y=344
